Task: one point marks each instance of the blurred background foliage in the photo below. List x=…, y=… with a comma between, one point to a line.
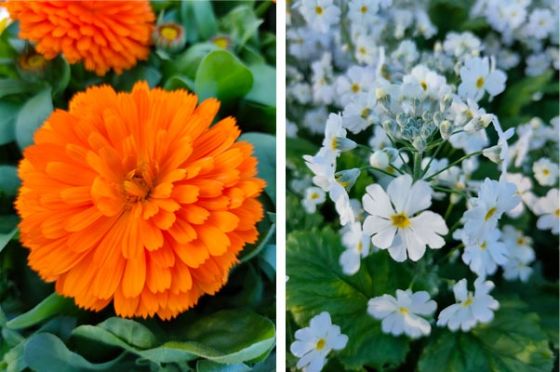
x=229, y=53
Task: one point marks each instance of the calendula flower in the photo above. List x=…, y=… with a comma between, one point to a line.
x=133, y=198
x=103, y=34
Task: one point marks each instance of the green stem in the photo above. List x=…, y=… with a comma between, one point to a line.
x=476, y=153
x=449, y=253
x=417, y=165
x=432, y=157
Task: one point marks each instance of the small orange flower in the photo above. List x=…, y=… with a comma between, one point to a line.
x=135, y=198
x=104, y=34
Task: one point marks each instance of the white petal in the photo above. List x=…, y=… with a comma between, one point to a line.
x=414, y=245
x=460, y=290
x=418, y=198
x=376, y=201
x=429, y=226
x=300, y=348
x=399, y=190
x=422, y=304
x=381, y=307
x=350, y=261
x=320, y=323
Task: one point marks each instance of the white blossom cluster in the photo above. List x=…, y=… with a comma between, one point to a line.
x=357, y=72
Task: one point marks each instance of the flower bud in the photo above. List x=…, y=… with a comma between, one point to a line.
x=392, y=153
x=419, y=144
x=169, y=37
x=493, y=153
x=222, y=41
x=445, y=129
x=344, y=144
x=31, y=65
x=347, y=178
x=379, y=159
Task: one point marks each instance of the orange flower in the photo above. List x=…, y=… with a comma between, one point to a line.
x=104, y=34
x=134, y=198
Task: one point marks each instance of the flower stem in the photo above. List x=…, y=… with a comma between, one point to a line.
x=458, y=161
x=417, y=165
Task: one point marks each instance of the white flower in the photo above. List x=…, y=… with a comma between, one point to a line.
x=403, y=314
x=424, y=26
x=541, y=23
x=478, y=76
x=494, y=199
x=462, y=44
x=322, y=80
x=313, y=197
x=483, y=252
x=314, y=343
x=397, y=220
x=424, y=82
x=407, y=52
x=520, y=254
x=320, y=15
x=379, y=140
x=356, y=80
x=357, y=246
x=4, y=19
x=545, y=172
x=315, y=119
x=291, y=129
x=362, y=12
x=524, y=186
x=537, y=64
x=470, y=308
x=365, y=49
x=334, y=131
x=549, y=212
x=359, y=114
x=379, y=159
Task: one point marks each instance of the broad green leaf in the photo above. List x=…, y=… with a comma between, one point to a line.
x=513, y=341
x=263, y=91
x=179, y=82
x=229, y=336
x=241, y=24
x=209, y=366
x=8, y=114
x=298, y=218
x=265, y=151
x=5, y=238
x=32, y=115
x=222, y=75
x=44, y=352
x=14, y=360
x=130, y=331
x=200, y=14
x=186, y=64
x=127, y=79
x=50, y=306
x=58, y=75
x=13, y=86
x=9, y=180
x=520, y=93
x=317, y=284
x=296, y=149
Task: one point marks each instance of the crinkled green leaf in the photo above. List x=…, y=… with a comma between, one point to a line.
x=32, y=115
x=317, y=284
x=130, y=331
x=513, y=341
x=222, y=75
x=50, y=306
x=44, y=352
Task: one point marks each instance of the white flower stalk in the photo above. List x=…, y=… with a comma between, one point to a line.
x=314, y=343
x=471, y=308
x=479, y=75
x=398, y=220
x=357, y=247
x=403, y=314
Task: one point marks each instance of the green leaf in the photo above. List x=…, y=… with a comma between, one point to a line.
x=263, y=91
x=241, y=24
x=186, y=63
x=201, y=14
x=513, y=341
x=32, y=115
x=127, y=79
x=13, y=86
x=317, y=284
x=5, y=238
x=46, y=352
x=209, y=366
x=14, y=359
x=520, y=93
x=296, y=148
x=222, y=75
x=298, y=218
x=179, y=82
x=265, y=151
x=9, y=180
x=130, y=331
x=50, y=306
x=8, y=114
x=229, y=336
x=58, y=75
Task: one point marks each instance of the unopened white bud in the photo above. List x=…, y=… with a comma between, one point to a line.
x=379, y=159
x=445, y=129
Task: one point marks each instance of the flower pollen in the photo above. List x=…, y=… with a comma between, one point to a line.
x=400, y=220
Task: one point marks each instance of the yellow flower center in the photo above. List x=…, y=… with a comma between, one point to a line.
x=360, y=246
x=557, y=213
x=480, y=82
x=521, y=241
x=222, y=42
x=362, y=50
x=333, y=143
x=320, y=345
x=355, y=88
x=469, y=301
x=403, y=310
x=424, y=85
x=490, y=213
x=136, y=186
x=363, y=9
x=169, y=32
x=365, y=113
x=546, y=172
x=314, y=196
x=319, y=10
x=400, y=220
x=483, y=246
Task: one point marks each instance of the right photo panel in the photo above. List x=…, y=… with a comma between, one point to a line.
x=422, y=173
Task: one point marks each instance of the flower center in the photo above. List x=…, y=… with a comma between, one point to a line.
x=483, y=246
x=520, y=241
x=365, y=113
x=546, y=172
x=469, y=301
x=319, y=10
x=403, y=310
x=36, y=61
x=136, y=187
x=424, y=85
x=557, y=213
x=320, y=345
x=333, y=143
x=480, y=82
x=169, y=32
x=314, y=196
x=363, y=9
x=360, y=246
x=490, y=213
x=355, y=88
x=400, y=220
x=362, y=50
x=223, y=42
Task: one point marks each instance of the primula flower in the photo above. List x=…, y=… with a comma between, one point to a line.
x=104, y=34
x=314, y=343
x=470, y=308
x=398, y=221
x=546, y=172
x=548, y=209
x=404, y=313
x=133, y=198
x=313, y=197
x=357, y=246
x=479, y=75
x=483, y=252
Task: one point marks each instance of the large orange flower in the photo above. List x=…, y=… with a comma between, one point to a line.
x=104, y=34
x=135, y=198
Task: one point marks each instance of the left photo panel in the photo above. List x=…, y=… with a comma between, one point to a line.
x=137, y=185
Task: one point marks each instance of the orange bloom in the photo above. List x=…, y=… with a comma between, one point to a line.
x=134, y=198
x=104, y=34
